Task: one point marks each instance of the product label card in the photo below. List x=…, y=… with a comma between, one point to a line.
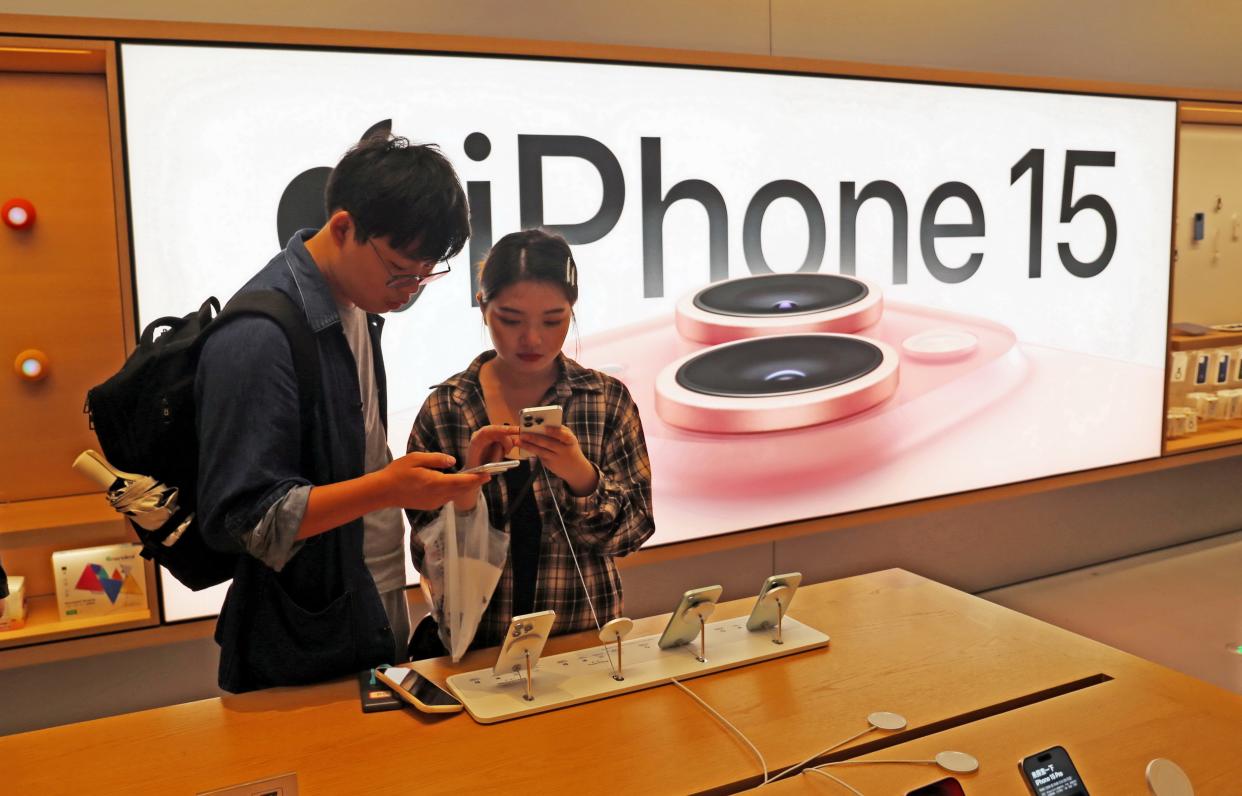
x=99, y=581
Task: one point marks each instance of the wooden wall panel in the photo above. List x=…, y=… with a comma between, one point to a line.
x=59, y=291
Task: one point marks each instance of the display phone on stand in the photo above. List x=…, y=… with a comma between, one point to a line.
x=420, y=692
x=536, y=420
x=1052, y=773
x=526, y=634
x=766, y=614
x=683, y=625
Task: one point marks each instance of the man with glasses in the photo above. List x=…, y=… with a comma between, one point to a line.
x=320, y=591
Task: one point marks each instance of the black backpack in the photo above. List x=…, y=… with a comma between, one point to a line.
x=144, y=417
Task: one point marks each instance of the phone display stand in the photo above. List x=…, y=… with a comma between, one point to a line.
x=528, y=648
x=1166, y=778
x=780, y=596
x=572, y=678
x=612, y=633
x=702, y=610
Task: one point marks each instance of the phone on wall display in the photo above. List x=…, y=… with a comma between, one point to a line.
x=683, y=625
x=1052, y=773
x=420, y=692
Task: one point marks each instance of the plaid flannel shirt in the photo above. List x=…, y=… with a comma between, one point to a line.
x=614, y=520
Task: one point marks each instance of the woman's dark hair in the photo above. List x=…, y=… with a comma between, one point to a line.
x=529, y=255
x=407, y=193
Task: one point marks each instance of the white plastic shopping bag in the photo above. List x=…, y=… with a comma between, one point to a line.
x=463, y=556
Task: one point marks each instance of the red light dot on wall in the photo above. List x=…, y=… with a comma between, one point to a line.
x=18, y=213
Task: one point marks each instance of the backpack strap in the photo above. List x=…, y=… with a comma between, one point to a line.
x=292, y=320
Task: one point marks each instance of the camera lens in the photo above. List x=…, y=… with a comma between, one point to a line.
x=781, y=365
x=780, y=294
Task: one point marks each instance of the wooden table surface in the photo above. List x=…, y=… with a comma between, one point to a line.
x=1111, y=731
x=947, y=661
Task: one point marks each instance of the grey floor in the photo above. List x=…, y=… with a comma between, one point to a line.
x=1180, y=607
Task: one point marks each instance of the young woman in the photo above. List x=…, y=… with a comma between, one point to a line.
x=593, y=471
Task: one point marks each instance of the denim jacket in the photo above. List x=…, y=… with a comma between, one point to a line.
x=319, y=616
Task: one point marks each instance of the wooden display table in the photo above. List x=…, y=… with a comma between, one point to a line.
x=943, y=659
x=1111, y=732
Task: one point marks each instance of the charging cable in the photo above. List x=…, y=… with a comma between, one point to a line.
x=565, y=530
x=762, y=763
x=837, y=780
x=591, y=604
x=824, y=751
x=880, y=720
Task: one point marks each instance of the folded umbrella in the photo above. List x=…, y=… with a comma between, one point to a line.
x=149, y=503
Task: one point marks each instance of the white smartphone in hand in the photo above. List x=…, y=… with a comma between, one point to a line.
x=493, y=467
x=536, y=420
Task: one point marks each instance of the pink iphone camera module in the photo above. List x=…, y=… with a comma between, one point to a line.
x=778, y=380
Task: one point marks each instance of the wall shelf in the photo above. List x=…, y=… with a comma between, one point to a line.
x=43, y=623
x=1194, y=342
x=1211, y=434
x=55, y=514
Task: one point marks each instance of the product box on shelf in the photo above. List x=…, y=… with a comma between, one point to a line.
x=99, y=581
x=13, y=616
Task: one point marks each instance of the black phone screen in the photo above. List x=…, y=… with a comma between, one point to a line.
x=1052, y=773
x=421, y=688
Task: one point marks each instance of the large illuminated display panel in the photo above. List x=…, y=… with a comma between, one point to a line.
x=1031, y=234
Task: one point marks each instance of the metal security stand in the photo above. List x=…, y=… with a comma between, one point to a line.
x=528, y=648
x=613, y=632
x=779, y=595
x=702, y=610
x=583, y=675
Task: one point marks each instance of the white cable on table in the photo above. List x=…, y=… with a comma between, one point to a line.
x=763, y=763
x=872, y=763
x=822, y=752
x=837, y=780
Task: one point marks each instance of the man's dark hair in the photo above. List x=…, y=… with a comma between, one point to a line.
x=407, y=193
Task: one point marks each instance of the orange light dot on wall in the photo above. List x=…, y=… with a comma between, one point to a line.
x=18, y=213
x=31, y=365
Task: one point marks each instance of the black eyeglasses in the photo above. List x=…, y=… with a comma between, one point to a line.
x=399, y=280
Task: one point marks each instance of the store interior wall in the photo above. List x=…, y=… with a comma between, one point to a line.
x=979, y=546
x=1207, y=274
x=1160, y=42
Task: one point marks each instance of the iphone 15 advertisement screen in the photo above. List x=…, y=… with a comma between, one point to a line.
x=824, y=294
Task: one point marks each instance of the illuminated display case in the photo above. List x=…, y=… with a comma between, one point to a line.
x=1034, y=222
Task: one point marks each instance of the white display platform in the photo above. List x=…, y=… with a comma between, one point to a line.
x=572, y=678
